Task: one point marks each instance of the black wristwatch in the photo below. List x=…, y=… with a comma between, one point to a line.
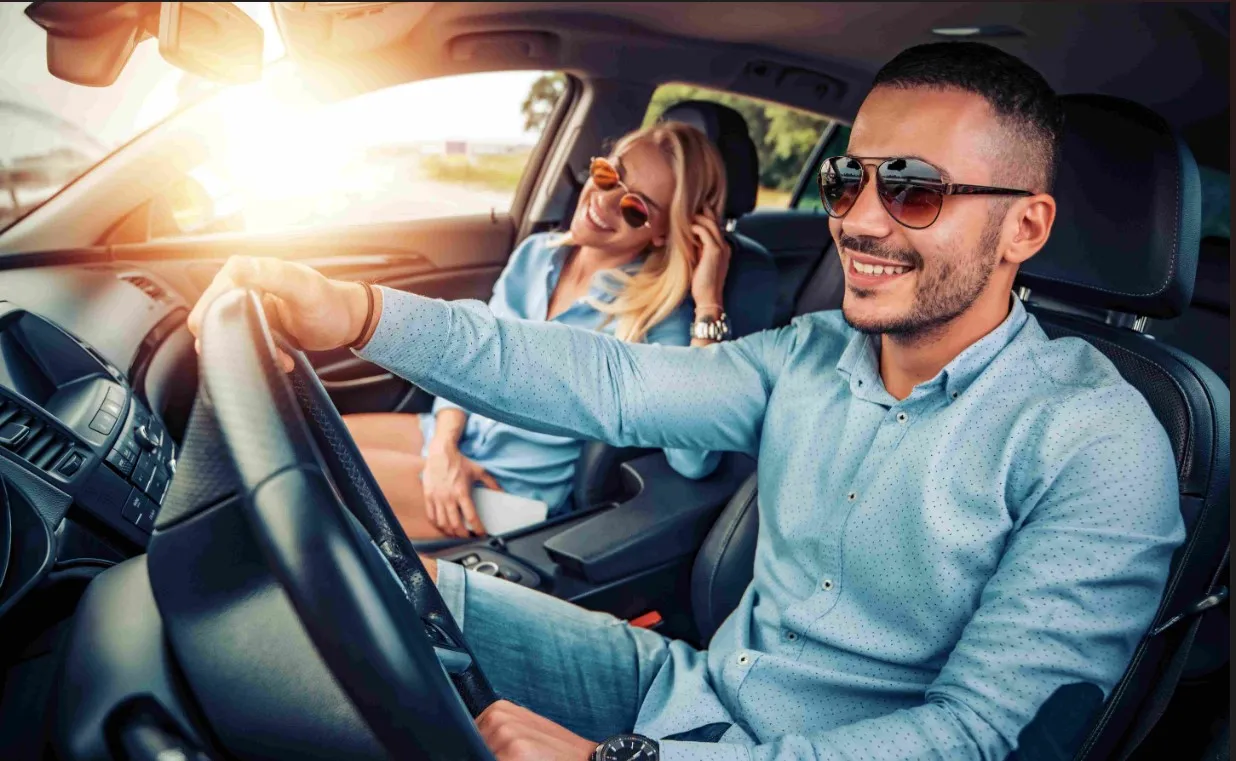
x=627, y=748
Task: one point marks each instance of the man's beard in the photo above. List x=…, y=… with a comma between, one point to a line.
x=941, y=294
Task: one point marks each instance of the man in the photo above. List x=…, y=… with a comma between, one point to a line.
x=965, y=528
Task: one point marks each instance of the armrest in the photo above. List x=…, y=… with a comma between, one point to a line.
x=667, y=519
x=597, y=473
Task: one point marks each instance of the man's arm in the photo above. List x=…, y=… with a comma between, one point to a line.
x=551, y=378
x=1056, y=625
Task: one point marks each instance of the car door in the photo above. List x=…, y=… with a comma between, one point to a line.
x=419, y=187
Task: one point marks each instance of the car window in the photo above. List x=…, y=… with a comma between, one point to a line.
x=834, y=145
x=783, y=136
x=443, y=147
x=52, y=132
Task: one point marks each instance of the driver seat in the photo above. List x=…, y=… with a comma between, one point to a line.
x=1124, y=249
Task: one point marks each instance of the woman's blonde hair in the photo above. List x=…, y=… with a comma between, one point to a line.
x=649, y=296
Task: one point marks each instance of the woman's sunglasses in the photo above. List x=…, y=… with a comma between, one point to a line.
x=633, y=208
x=911, y=190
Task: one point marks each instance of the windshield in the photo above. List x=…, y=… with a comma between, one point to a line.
x=52, y=131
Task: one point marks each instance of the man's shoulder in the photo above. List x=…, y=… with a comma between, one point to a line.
x=822, y=335
x=1078, y=389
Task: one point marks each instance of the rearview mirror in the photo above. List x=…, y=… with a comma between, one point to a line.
x=90, y=43
x=216, y=41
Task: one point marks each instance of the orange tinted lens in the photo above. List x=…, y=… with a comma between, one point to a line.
x=604, y=175
x=633, y=210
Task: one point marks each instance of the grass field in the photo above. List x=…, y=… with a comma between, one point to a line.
x=499, y=173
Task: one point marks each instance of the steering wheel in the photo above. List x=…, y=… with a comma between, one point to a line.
x=330, y=538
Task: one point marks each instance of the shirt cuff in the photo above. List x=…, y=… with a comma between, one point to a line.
x=677, y=750
x=452, y=584
x=411, y=332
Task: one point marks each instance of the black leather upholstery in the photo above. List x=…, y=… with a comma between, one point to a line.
x=727, y=130
x=750, y=286
x=1138, y=256
x=724, y=564
x=1128, y=221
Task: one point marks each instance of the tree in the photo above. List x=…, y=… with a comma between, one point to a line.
x=542, y=97
x=783, y=136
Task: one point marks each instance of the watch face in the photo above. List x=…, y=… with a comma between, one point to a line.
x=627, y=748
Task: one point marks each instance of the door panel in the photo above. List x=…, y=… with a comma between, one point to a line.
x=459, y=258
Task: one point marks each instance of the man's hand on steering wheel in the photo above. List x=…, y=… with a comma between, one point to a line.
x=514, y=733
x=319, y=313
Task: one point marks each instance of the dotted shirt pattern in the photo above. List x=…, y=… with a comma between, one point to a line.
x=928, y=571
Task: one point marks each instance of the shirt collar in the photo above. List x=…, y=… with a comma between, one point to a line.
x=860, y=362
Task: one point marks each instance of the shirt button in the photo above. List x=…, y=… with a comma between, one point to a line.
x=827, y=584
x=902, y=417
x=852, y=496
x=954, y=394
x=791, y=636
x=743, y=659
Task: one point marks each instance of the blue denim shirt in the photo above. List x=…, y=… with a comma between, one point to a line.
x=539, y=465
x=937, y=577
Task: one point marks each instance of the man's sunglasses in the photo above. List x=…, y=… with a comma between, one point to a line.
x=633, y=208
x=911, y=190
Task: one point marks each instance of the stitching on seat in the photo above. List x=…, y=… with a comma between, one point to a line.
x=730, y=530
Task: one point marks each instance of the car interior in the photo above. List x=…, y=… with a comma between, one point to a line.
x=144, y=608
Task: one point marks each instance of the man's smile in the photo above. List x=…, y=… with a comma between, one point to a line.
x=864, y=271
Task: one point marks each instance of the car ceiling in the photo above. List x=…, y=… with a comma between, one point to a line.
x=1173, y=57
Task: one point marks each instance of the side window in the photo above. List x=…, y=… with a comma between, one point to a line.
x=783, y=136
x=835, y=145
x=444, y=147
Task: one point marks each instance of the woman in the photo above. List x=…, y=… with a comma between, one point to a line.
x=644, y=237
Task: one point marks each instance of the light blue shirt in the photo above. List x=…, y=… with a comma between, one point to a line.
x=928, y=572
x=541, y=465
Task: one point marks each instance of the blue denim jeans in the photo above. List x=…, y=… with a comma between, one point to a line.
x=584, y=670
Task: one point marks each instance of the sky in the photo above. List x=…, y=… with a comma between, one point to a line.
x=483, y=107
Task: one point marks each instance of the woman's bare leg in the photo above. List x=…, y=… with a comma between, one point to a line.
x=391, y=444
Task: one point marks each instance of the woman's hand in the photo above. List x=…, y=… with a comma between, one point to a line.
x=319, y=313
x=447, y=482
x=708, y=282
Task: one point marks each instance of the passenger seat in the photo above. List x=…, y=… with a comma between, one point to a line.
x=750, y=286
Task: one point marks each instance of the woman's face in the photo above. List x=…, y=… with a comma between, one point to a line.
x=598, y=223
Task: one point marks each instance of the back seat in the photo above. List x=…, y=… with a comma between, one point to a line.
x=1204, y=329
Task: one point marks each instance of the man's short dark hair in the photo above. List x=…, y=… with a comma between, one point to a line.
x=1023, y=101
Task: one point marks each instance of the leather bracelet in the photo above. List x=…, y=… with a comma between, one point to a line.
x=360, y=340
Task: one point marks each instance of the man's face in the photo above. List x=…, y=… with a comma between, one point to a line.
x=941, y=270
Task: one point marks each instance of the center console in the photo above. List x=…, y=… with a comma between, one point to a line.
x=656, y=522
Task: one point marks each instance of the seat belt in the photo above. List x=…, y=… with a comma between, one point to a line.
x=1157, y=704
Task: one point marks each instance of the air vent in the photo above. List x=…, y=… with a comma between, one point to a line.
x=146, y=286
x=29, y=437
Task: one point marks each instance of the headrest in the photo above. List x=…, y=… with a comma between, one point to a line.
x=727, y=130
x=1128, y=217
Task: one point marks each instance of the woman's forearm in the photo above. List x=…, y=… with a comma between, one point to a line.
x=449, y=427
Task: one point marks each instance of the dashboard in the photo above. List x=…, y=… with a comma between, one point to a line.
x=96, y=377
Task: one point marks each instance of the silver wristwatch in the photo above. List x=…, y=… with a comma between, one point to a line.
x=713, y=330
